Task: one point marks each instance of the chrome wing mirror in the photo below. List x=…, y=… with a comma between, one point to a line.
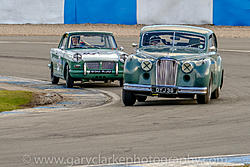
x=134, y=45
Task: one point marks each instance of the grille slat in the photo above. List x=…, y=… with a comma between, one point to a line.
x=108, y=65
x=166, y=71
x=93, y=65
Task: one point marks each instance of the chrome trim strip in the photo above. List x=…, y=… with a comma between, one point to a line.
x=180, y=90
x=85, y=69
x=192, y=90
x=137, y=87
x=116, y=69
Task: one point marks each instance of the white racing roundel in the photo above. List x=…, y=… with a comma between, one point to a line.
x=187, y=67
x=146, y=65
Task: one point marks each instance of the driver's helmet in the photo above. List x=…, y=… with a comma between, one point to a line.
x=154, y=40
x=82, y=43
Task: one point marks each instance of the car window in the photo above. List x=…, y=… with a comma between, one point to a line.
x=63, y=42
x=213, y=41
x=92, y=41
x=181, y=39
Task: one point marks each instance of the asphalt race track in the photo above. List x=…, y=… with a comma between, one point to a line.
x=162, y=128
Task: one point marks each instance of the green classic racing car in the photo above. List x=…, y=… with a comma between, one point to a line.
x=173, y=61
x=84, y=56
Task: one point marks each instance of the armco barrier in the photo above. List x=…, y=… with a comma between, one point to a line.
x=232, y=12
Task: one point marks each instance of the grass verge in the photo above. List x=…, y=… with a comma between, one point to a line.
x=12, y=100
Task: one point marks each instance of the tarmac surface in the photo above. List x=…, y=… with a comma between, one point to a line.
x=156, y=128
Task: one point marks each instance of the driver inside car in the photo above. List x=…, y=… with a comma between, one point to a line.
x=154, y=40
x=75, y=41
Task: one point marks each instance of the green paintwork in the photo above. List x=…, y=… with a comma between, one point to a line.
x=206, y=64
x=62, y=56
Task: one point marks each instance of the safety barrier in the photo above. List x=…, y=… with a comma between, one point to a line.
x=218, y=12
x=31, y=11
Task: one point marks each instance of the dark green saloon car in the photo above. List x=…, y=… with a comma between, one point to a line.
x=84, y=56
x=173, y=61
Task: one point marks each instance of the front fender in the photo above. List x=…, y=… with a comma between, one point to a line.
x=131, y=70
x=199, y=77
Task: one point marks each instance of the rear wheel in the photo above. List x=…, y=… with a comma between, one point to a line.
x=54, y=79
x=222, y=79
x=205, y=99
x=141, y=98
x=68, y=78
x=216, y=94
x=128, y=98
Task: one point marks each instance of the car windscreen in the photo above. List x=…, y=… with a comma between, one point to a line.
x=173, y=39
x=92, y=41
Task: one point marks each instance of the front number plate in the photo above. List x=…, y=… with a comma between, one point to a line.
x=101, y=72
x=164, y=90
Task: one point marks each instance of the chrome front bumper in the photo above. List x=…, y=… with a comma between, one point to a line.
x=179, y=90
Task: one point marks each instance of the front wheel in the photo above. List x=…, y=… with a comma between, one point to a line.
x=54, y=79
x=205, y=99
x=68, y=78
x=128, y=98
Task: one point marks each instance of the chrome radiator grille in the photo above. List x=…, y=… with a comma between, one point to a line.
x=93, y=65
x=108, y=65
x=166, y=72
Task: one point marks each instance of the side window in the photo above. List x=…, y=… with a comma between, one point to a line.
x=213, y=41
x=63, y=42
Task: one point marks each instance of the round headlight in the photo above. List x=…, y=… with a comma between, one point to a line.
x=146, y=65
x=77, y=57
x=187, y=67
x=123, y=57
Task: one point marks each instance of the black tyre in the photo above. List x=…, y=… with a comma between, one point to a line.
x=141, y=98
x=222, y=79
x=68, y=78
x=205, y=99
x=216, y=94
x=121, y=82
x=54, y=79
x=128, y=98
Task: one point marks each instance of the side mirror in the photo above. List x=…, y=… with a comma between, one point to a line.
x=212, y=49
x=121, y=48
x=134, y=45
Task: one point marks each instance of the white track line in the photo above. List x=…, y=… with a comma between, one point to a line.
x=142, y=163
x=27, y=42
x=239, y=51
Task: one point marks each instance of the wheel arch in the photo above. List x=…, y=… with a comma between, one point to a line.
x=64, y=69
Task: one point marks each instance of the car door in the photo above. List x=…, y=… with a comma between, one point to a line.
x=215, y=59
x=60, y=52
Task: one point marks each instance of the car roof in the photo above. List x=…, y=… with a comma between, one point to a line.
x=176, y=28
x=89, y=32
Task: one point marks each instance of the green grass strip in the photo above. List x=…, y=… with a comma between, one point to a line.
x=12, y=100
